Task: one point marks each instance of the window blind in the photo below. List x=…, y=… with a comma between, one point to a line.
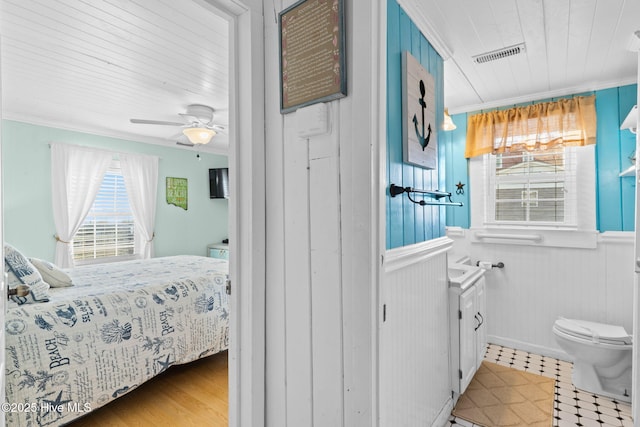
x=532, y=187
x=108, y=229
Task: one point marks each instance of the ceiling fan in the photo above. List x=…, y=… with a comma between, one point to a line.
x=197, y=124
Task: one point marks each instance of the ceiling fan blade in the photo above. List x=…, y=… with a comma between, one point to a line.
x=181, y=139
x=218, y=128
x=155, y=122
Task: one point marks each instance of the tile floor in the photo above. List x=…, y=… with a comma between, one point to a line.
x=572, y=407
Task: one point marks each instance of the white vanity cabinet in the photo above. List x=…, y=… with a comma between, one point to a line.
x=467, y=314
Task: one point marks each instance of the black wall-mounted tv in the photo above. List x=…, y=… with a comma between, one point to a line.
x=219, y=183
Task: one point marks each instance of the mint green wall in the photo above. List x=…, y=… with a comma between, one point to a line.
x=615, y=196
x=28, y=217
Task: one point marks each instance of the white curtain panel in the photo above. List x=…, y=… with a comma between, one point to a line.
x=140, y=173
x=76, y=175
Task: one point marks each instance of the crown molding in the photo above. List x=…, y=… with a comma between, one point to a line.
x=112, y=133
x=540, y=95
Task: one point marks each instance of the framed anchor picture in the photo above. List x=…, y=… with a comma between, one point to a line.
x=419, y=130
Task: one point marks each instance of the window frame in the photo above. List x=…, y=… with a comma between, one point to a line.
x=568, y=177
x=584, y=235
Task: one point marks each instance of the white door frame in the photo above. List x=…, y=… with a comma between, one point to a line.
x=246, y=211
x=635, y=369
x=247, y=223
x=3, y=285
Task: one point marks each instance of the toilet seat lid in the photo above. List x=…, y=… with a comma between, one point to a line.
x=593, y=331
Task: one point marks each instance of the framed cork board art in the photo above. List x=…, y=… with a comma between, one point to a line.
x=177, y=192
x=419, y=130
x=312, y=55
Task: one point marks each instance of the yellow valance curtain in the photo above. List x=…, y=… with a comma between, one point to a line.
x=566, y=122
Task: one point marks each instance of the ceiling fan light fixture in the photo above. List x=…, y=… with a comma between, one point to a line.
x=199, y=135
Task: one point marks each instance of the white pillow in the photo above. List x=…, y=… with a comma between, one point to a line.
x=51, y=273
x=15, y=262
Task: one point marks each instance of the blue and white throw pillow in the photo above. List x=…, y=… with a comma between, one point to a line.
x=21, y=271
x=51, y=273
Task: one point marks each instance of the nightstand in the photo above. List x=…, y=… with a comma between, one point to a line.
x=218, y=250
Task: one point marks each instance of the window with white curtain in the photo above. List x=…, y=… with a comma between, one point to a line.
x=104, y=210
x=108, y=230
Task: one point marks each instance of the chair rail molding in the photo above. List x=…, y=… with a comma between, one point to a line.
x=404, y=256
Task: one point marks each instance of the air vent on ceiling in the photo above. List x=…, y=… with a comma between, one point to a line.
x=499, y=54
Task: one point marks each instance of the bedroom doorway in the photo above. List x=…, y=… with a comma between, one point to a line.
x=246, y=163
x=246, y=211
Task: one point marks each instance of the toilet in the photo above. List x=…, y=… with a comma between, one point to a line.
x=601, y=354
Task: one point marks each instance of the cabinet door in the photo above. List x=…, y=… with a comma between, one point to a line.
x=481, y=310
x=468, y=324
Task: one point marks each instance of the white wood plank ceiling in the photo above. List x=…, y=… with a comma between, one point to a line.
x=91, y=65
x=571, y=46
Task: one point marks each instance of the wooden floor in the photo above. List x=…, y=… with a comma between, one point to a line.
x=195, y=394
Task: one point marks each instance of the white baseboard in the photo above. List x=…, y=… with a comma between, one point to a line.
x=531, y=348
x=442, y=419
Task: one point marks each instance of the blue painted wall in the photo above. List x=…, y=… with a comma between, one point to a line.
x=457, y=171
x=27, y=210
x=408, y=223
x=614, y=195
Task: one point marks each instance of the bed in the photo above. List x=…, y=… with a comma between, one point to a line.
x=119, y=325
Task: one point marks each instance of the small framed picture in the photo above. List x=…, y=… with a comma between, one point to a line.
x=177, y=192
x=312, y=53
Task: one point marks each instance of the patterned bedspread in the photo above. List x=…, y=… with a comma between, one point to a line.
x=117, y=327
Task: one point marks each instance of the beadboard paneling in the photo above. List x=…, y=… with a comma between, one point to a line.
x=414, y=338
x=539, y=284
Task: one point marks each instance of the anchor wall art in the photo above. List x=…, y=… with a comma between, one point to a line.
x=419, y=133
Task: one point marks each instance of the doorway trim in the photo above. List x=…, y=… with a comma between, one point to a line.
x=247, y=204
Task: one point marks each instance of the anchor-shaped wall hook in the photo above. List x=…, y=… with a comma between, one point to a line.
x=422, y=140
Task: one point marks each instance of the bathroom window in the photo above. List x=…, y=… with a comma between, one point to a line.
x=532, y=187
x=536, y=163
x=546, y=189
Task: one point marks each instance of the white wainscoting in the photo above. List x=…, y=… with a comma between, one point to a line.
x=414, y=336
x=539, y=284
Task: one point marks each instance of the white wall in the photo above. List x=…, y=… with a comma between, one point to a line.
x=540, y=283
x=321, y=244
x=415, y=387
